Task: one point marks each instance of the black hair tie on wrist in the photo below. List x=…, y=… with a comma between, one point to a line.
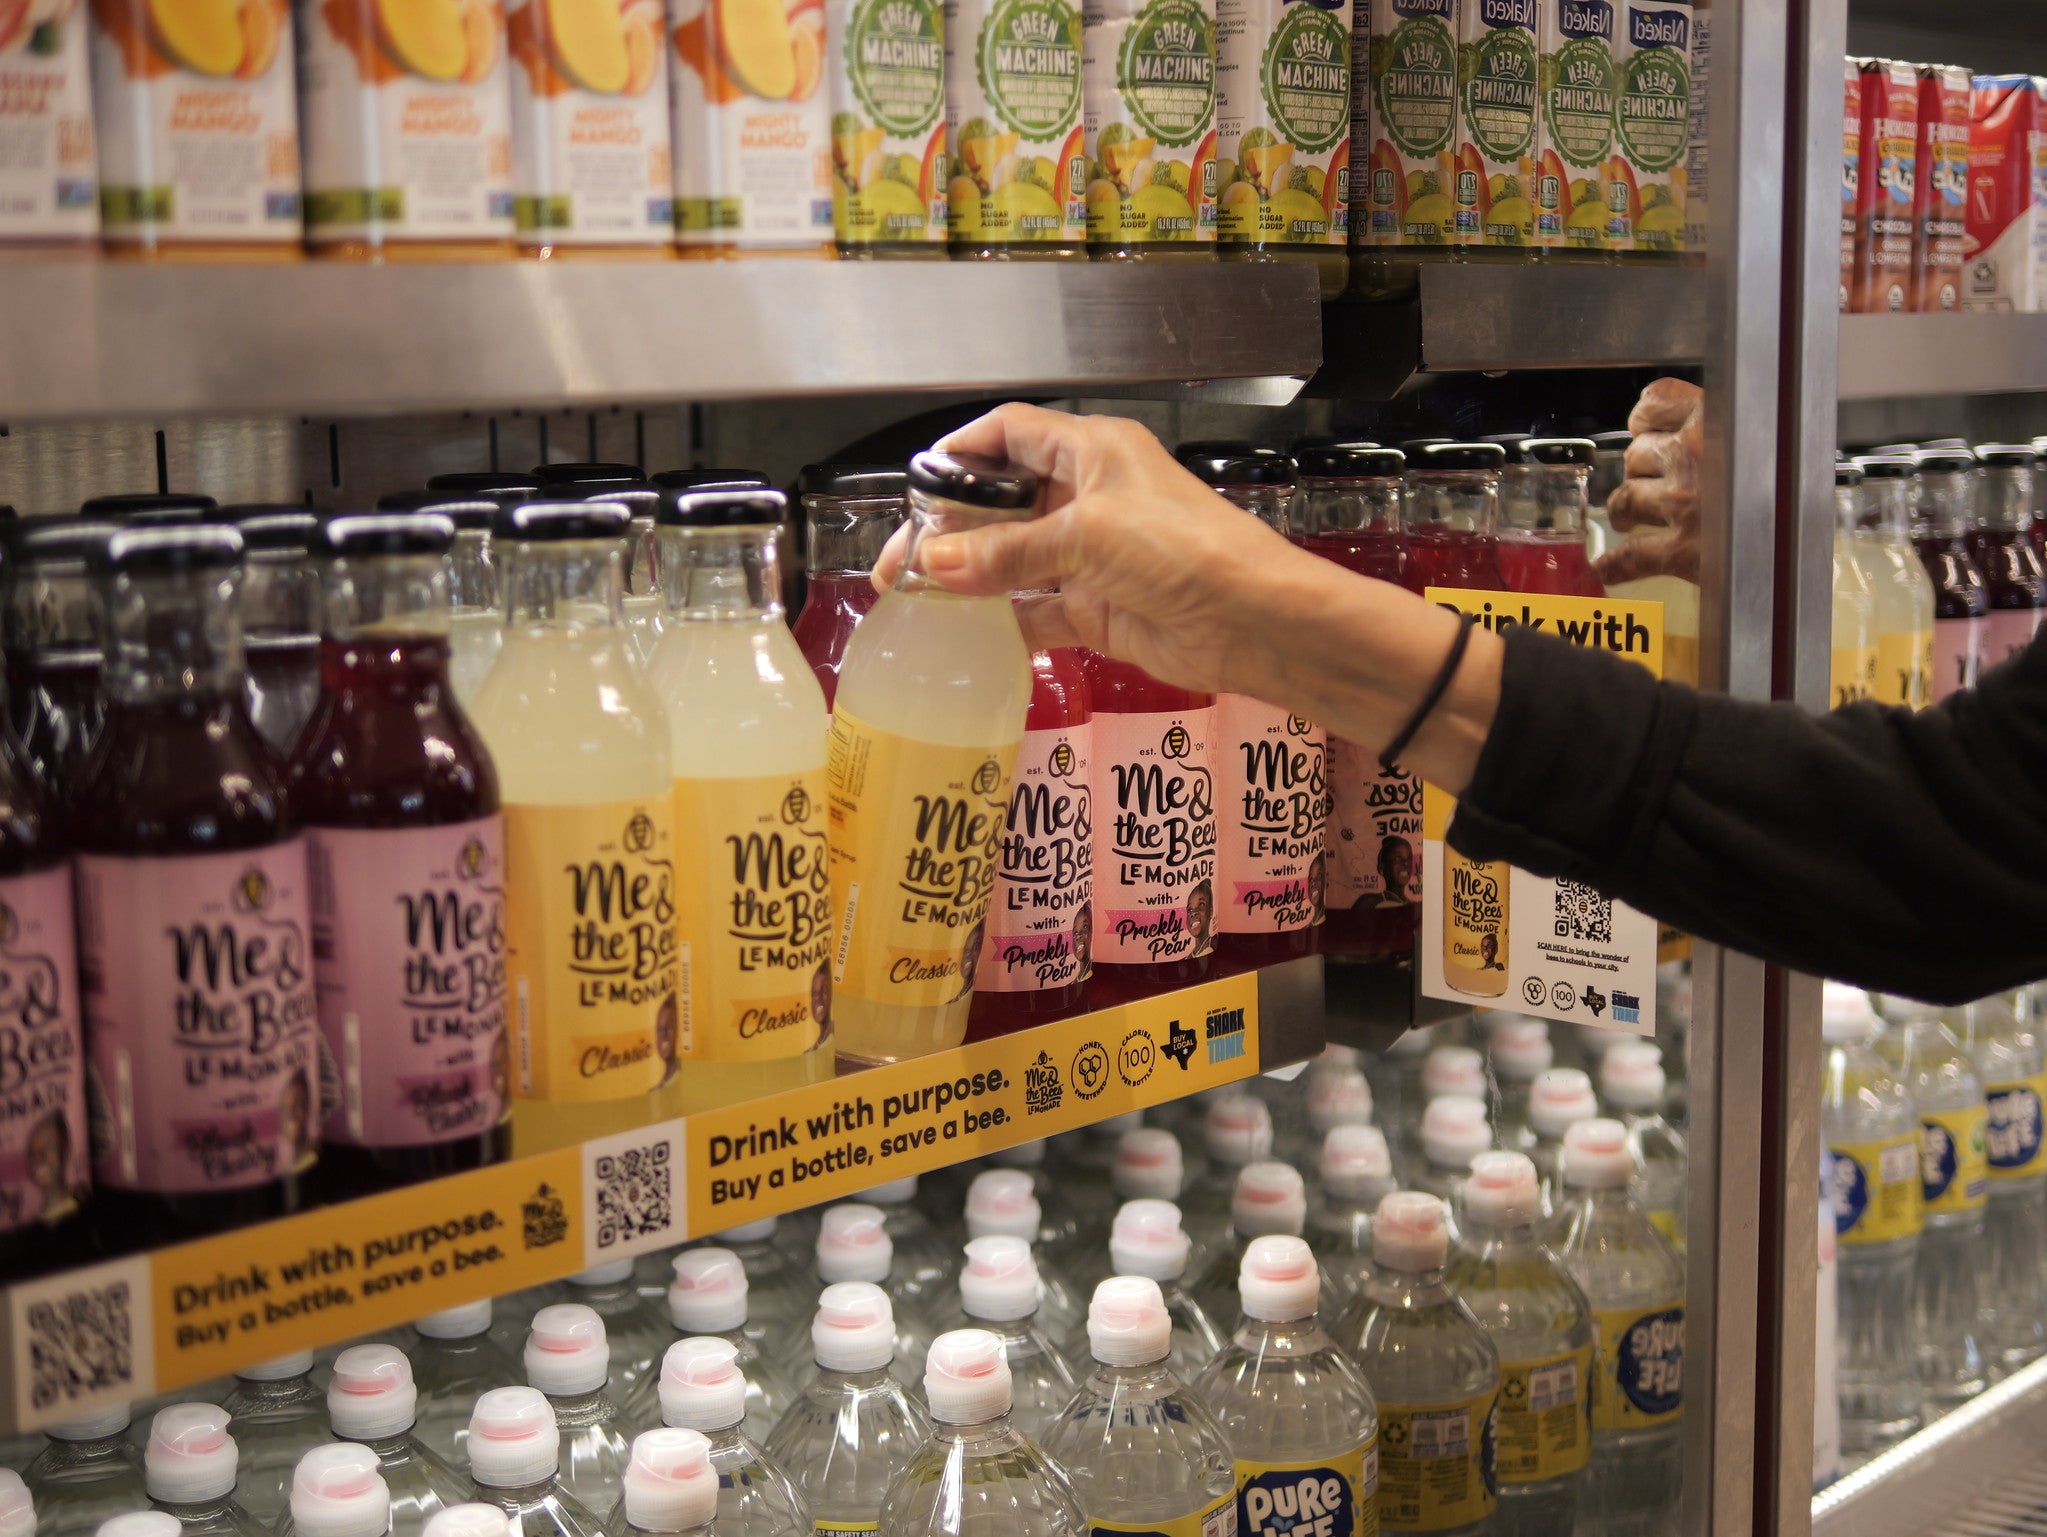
x=1389, y=759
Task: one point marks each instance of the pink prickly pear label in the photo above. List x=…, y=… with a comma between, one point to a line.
x=44, y=1151
x=1041, y=916
x=1272, y=811
x=1957, y=654
x=1155, y=836
x=1375, y=844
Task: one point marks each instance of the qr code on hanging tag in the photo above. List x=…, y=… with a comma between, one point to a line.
x=1583, y=913
x=80, y=1341
x=629, y=1185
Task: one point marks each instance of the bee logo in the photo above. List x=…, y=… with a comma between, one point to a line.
x=639, y=834
x=796, y=806
x=473, y=860
x=1064, y=761
x=1178, y=743
x=988, y=777
x=253, y=893
x=1297, y=725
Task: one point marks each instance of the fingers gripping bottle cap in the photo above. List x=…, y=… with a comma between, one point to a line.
x=513, y=1439
x=702, y=1387
x=1339, y=1097
x=469, y=1520
x=749, y=1232
x=709, y=1292
x=1560, y=1096
x=1596, y=1155
x=1845, y=1015
x=1146, y=1239
x=18, y=1510
x=669, y=1484
x=855, y=1328
x=1411, y=1232
x=1503, y=1190
x=566, y=1351
x=1148, y=1165
x=1278, y=1280
x=1353, y=1160
x=1632, y=1078
x=464, y=1322
x=966, y=1378
x=1454, y=1070
x=1521, y=1050
x=896, y=1192
x=281, y=1369
x=1002, y=1202
x=336, y=1491
x=136, y=1523
x=372, y=1394
x=1000, y=1281
x=1237, y=1129
x=1454, y=1131
x=1269, y=1198
x=190, y=1456
x=853, y=1244
x=1127, y=1322
x=110, y=1421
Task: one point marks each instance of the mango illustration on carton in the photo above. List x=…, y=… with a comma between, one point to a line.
x=446, y=41
x=221, y=39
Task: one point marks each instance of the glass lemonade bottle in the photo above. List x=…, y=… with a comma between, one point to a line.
x=582, y=745
x=849, y=511
x=1943, y=512
x=53, y=653
x=2012, y=570
x=931, y=709
x=1852, y=673
x=279, y=601
x=1898, y=579
x=747, y=744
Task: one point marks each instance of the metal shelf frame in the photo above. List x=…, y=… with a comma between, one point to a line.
x=1912, y=357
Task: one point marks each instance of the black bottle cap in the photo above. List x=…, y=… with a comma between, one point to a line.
x=1515, y=444
x=547, y=522
x=473, y=509
x=722, y=509
x=853, y=480
x=274, y=528
x=576, y=474
x=153, y=551
x=1217, y=463
x=470, y=482
x=973, y=480
x=1846, y=475
x=1887, y=467
x=1348, y=461
x=1560, y=451
x=1944, y=461
x=710, y=480
x=1613, y=442
x=639, y=497
x=2007, y=456
x=1433, y=454
x=357, y=534
x=49, y=543
x=149, y=506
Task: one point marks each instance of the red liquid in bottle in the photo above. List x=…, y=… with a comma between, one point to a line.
x=849, y=512
x=1037, y=954
x=1547, y=563
x=836, y=602
x=2016, y=586
x=1961, y=600
x=1451, y=557
x=1377, y=553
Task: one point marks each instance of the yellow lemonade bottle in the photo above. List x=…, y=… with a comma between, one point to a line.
x=930, y=713
x=747, y=723
x=1852, y=675
x=582, y=747
x=1474, y=924
x=1904, y=592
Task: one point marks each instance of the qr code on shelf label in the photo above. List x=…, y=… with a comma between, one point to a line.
x=632, y=1185
x=80, y=1341
x=1583, y=914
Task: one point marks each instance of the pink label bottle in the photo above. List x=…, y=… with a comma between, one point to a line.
x=849, y=512
x=2015, y=582
x=1944, y=512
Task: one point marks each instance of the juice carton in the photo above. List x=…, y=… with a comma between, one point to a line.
x=1578, y=82
x=1414, y=123
x=888, y=126
x=2007, y=205
x=1940, y=225
x=1014, y=131
x=1496, y=122
x=1851, y=173
x=590, y=127
x=1150, y=69
x=408, y=125
x=49, y=180
x=1883, y=198
x=752, y=127
x=197, y=107
x=1646, y=180
x=1698, y=146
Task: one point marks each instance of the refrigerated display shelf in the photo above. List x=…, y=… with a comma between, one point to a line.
x=154, y=1322
x=1913, y=357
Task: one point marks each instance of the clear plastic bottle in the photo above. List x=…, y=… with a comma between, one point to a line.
x=670, y=1490
x=455, y=1362
x=1058, y=1216
x=853, y=1428
x=779, y=1296
x=2005, y=1046
x=925, y=1267
x=1455, y=1070
x=1454, y=1131
x=1138, y=1447
x=1541, y=1325
x=1271, y=1199
x=976, y=1472
x=636, y=1329
x=1004, y=1202
x=703, y=1389
x=90, y=1471
x=711, y=1299
x=999, y=1292
x=1148, y=1166
x=568, y=1359
x=853, y=1245
x=19, y=1520
x=1520, y=1052
x=1354, y=1173
x=337, y=1491
x=470, y=1519
x=1632, y=1083
x=1146, y=1240
x=277, y=1415
x=1236, y=1129
x=189, y=1471
x=1558, y=1100
x=514, y=1457
x=373, y=1400
x=1396, y=1078
x=1336, y=1096
x=1636, y=1284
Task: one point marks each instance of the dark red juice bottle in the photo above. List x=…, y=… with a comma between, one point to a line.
x=194, y=923
x=1453, y=494
x=280, y=625
x=849, y=511
x=400, y=802
x=1944, y=511
x=1037, y=955
x=1544, y=506
x=2002, y=546
x=53, y=649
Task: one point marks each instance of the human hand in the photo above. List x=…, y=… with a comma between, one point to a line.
x=1661, y=492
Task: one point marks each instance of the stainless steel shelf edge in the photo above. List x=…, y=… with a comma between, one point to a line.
x=108, y=339
x=1910, y=357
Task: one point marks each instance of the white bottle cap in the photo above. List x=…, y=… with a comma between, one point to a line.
x=1269, y=1198
x=1631, y=1077
x=894, y=1193
x=966, y=1378
x=1025, y=1155
x=190, y=1456
x=1237, y=1129
x=1353, y=1160
x=1454, y=1070
x=1411, y=1232
x=1521, y=1049
x=110, y=1421
x=1002, y=1201
x=1278, y=1280
x=1413, y=1042
x=1334, y=1055
x=702, y=1387
x=669, y=1484
x=1560, y=1096
x=1454, y=1131
x=1000, y=1281
x=282, y=1369
x=1845, y=1015
x=1596, y=1155
x=566, y=1351
x=135, y=1523
x=17, y=1508
x=1111, y=1128
x=1146, y=1239
x=608, y=1274
x=336, y=1491
x=748, y=1232
x=1148, y=1165
x=1127, y=1322
x=1503, y=1190
x=464, y=1322
x=513, y=1439
x=1339, y=1097
x=853, y=1244
x=473, y=1519
x=372, y=1394
x=855, y=1328
x=709, y=1292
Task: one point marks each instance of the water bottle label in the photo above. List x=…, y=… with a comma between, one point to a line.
x=1329, y=1497
x=1218, y=1520
x=2012, y=1142
x=1545, y=1425
x=1876, y=1189
x=1954, y=1172
x=1438, y=1463
x=845, y=1528
x=1641, y=1367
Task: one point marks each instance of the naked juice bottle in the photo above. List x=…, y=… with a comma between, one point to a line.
x=747, y=743
x=849, y=510
x=400, y=801
x=581, y=744
x=931, y=708
x=2012, y=571
x=194, y=919
x=1943, y=512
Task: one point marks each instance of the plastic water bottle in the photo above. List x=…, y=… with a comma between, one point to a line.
x=1636, y=1284
x=1003, y=1203
x=372, y=1400
x=976, y=1472
x=1141, y=1452
x=1330, y=1096
x=853, y=1427
x=515, y=1462
x=999, y=1292
x=1520, y=1052
x=924, y=1265
x=568, y=1359
x=1557, y=1101
x=635, y=1328
x=1872, y=1136
x=703, y=1389
x=1147, y=1241
x=1270, y=1200
x=1353, y=1174
x=1082, y=1164
x=1148, y=1166
x=713, y=1298
x=1631, y=1079
x=19, y=1521
x=1236, y=1129
x=470, y=1519
x=1397, y=1097
x=1058, y=1219
x=853, y=1245
x=276, y=1415
x=1454, y=1131
x=2007, y=1052
x=189, y=1471
x=1826, y=1355
x=1541, y=1325
x=1297, y=1414
x=336, y=1491
x=670, y=1488
x=18, y=1508
x=90, y=1472
x=1455, y=1070
x=455, y=1362
x=779, y=1296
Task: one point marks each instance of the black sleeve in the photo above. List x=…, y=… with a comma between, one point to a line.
x=1899, y=851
